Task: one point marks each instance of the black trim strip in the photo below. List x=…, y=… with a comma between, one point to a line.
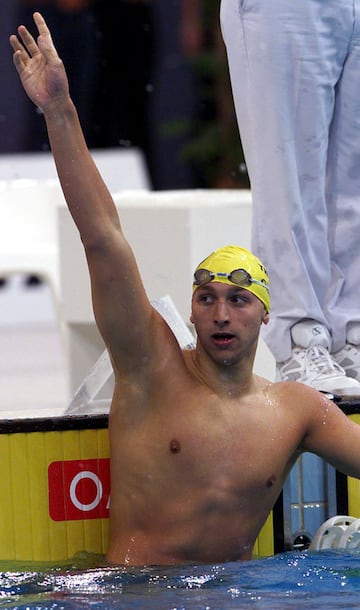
x=278, y=525
x=53, y=424
x=342, y=494
x=90, y=422
x=349, y=407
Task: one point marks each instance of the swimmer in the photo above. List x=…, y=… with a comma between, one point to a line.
x=200, y=445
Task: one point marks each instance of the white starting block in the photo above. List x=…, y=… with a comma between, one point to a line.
x=30, y=194
x=28, y=229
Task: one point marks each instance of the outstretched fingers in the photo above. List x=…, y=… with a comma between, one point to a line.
x=28, y=41
x=26, y=47
x=41, y=24
x=44, y=41
x=40, y=69
x=20, y=56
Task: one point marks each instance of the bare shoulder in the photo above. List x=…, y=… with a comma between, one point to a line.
x=297, y=390
x=316, y=424
x=298, y=398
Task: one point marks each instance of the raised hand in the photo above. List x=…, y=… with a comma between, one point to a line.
x=41, y=70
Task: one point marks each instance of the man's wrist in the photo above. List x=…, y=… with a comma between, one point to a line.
x=60, y=110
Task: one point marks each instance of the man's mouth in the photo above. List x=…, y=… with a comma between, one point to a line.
x=222, y=339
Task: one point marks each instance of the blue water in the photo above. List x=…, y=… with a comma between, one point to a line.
x=324, y=580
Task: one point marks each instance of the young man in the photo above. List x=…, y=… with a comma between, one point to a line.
x=200, y=446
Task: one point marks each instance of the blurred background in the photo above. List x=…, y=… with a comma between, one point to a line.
x=145, y=73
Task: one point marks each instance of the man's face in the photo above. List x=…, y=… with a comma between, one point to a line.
x=227, y=320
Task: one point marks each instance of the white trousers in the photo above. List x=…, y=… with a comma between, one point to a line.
x=295, y=73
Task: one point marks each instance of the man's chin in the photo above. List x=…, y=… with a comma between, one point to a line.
x=224, y=360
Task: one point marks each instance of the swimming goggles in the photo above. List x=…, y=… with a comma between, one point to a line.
x=239, y=277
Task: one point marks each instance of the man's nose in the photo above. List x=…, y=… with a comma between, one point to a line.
x=221, y=317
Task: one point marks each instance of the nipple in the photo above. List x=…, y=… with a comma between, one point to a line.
x=270, y=482
x=174, y=446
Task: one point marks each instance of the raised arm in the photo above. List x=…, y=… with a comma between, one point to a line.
x=122, y=310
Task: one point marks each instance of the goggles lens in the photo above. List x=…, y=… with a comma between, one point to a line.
x=240, y=277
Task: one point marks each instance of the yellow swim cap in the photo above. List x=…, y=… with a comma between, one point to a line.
x=235, y=265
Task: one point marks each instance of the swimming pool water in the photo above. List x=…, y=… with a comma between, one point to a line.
x=321, y=580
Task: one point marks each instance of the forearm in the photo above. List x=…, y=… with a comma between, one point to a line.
x=86, y=194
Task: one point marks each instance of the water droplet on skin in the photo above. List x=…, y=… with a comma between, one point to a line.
x=325, y=404
x=271, y=401
x=127, y=556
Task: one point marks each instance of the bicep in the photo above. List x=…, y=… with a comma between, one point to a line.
x=334, y=437
x=122, y=310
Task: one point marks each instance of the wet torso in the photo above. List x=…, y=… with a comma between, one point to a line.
x=195, y=476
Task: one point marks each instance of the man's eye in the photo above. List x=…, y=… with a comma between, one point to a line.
x=237, y=299
x=205, y=298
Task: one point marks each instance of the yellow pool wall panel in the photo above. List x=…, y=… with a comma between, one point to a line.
x=27, y=532
x=264, y=545
x=354, y=486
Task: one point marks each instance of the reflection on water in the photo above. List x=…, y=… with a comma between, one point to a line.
x=325, y=580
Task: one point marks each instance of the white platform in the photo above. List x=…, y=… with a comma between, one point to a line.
x=33, y=377
x=121, y=168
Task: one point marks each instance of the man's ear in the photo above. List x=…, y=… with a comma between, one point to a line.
x=266, y=317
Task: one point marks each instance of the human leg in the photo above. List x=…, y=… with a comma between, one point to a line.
x=343, y=194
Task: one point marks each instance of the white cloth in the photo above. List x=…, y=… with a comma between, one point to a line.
x=295, y=72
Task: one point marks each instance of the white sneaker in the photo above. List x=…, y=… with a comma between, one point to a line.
x=349, y=359
x=315, y=367
x=312, y=364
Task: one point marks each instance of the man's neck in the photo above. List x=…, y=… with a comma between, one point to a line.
x=231, y=380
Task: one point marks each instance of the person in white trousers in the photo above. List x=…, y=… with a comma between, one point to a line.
x=295, y=74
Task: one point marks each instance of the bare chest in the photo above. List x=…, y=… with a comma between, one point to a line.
x=230, y=449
